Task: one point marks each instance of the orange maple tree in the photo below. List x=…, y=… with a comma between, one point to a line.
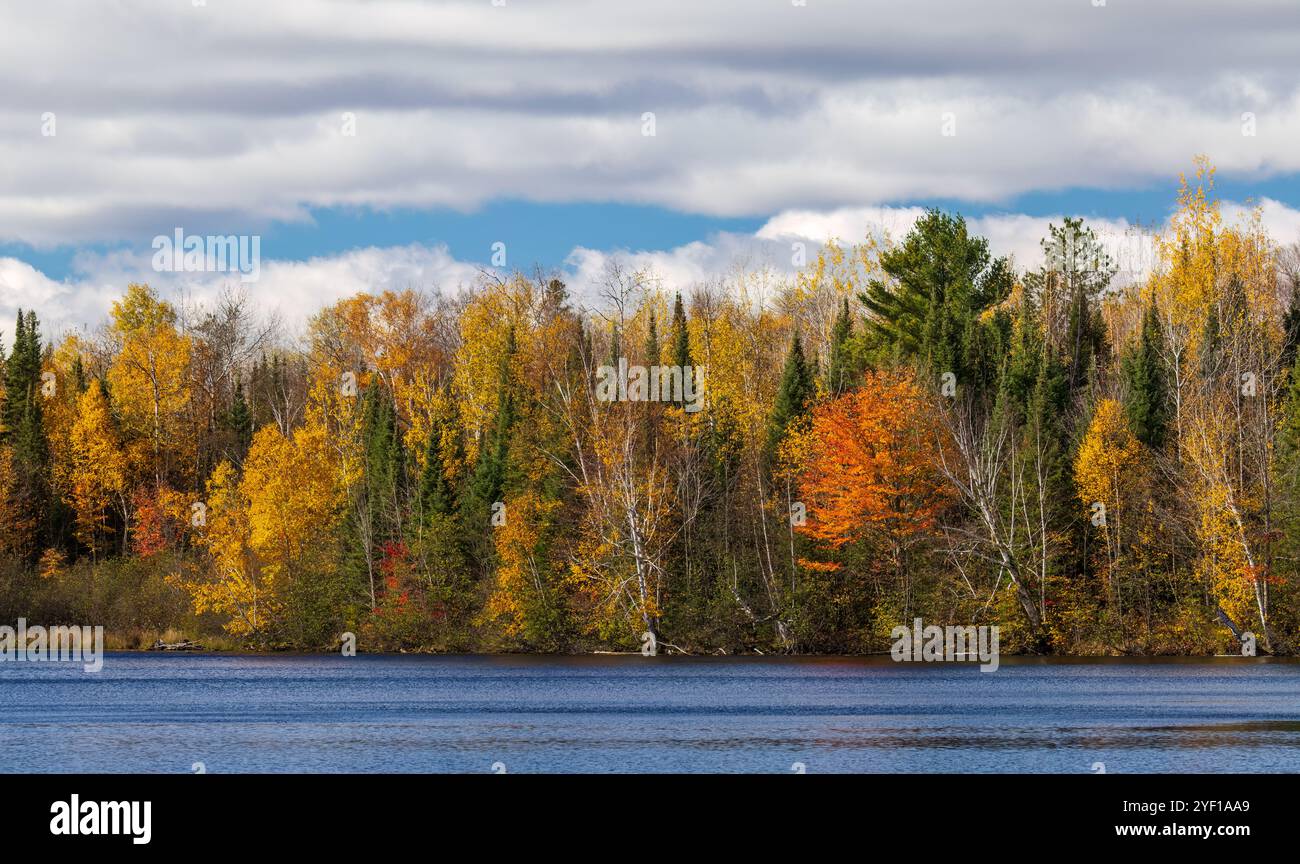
x=870, y=470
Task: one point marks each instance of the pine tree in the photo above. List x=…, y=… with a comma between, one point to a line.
x=1208, y=353
x=1148, y=390
x=840, y=370
x=1026, y=361
x=1291, y=327
x=615, y=348
x=940, y=281
x=79, y=374
x=681, y=340
x=681, y=335
x=794, y=394
x=488, y=481
x=22, y=434
x=437, y=492
x=239, y=420
x=22, y=415
x=1288, y=433
x=652, y=342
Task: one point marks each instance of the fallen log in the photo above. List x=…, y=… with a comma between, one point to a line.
x=183, y=645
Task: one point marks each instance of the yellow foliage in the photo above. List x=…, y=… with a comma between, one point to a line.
x=149, y=376
x=97, y=466
x=520, y=576
x=1108, y=457
x=237, y=590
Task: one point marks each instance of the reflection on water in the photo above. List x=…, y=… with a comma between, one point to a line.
x=162, y=713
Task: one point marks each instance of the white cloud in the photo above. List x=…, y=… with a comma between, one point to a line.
x=226, y=116
x=297, y=289
x=293, y=290
x=1281, y=222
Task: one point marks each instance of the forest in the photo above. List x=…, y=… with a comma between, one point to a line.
x=907, y=427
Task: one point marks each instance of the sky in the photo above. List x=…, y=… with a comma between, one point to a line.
x=374, y=145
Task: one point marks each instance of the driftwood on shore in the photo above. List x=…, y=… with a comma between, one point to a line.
x=183, y=645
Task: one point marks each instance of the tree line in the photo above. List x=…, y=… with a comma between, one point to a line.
x=903, y=428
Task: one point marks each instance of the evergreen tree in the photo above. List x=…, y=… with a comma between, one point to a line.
x=488, y=481
x=1208, y=353
x=22, y=431
x=681, y=341
x=239, y=421
x=1025, y=364
x=1148, y=389
x=1291, y=327
x=1046, y=449
x=841, y=372
x=437, y=492
x=615, y=348
x=1289, y=425
x=374, y=518
x=681, y=335
x=1077, y=263
x=941, y=279
x=386, y=460
x=22, y=415
x=79, y=374
x=794, y=394
x=652, y=342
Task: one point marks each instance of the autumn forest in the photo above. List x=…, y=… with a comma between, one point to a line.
x=906, y=427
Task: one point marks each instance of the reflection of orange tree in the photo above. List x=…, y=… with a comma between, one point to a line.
x=870, y=472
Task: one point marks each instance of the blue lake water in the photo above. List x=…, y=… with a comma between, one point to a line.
x=293, y=713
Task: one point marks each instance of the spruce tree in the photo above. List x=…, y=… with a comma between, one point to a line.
x=1208, y=353
x=652, y=343
x=437, y=492
x=840, y=371
x=615, y=348
x=239, y=420
x=1148, y=389
x=1289, y=426
x=79, y=375
x=1025, y=363
x=1291, y=327
x=488, y=482
x=794, y=394
x=385, y=463
x=22, y=414
x=16, y=380
x=22, y=429
x=681, y=342
x=681, y=335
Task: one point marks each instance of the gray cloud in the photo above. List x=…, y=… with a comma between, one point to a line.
x=229, y=115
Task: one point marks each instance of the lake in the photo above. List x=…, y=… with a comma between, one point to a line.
x=296, y=713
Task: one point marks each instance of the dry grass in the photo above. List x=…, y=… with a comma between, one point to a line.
x=140, y=639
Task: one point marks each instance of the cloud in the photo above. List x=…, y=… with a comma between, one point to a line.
x=229, y=116
x=1130, y=247
x=292, y=290
x=295, y=290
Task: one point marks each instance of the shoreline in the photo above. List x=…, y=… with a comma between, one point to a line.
x=1020, y=659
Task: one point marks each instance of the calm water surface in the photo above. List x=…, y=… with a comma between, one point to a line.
x=162, y=713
